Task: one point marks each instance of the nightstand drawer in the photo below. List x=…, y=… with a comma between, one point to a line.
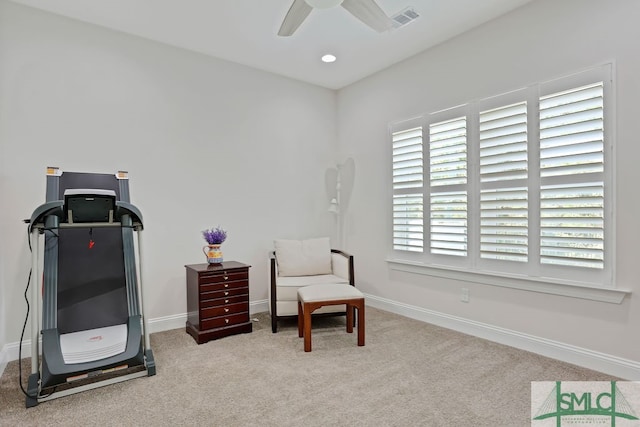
x=220, y=302
x=220, y=322
x=224, y=310
x=225, y=276
x=210, y=287
x=226, y=293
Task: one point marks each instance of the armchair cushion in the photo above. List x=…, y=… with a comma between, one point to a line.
x=308, y=257
x=288, y=286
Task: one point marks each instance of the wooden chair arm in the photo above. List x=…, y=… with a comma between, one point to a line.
x=272, y=292
x=352, y=278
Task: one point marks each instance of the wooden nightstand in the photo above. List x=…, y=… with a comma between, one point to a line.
x=217, y=300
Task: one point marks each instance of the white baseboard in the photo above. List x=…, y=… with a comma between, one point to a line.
x=609, y=364
x=166, y=323
x=4, y=359
x=12, y=350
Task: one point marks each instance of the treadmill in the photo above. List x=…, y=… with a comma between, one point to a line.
x=86, y=288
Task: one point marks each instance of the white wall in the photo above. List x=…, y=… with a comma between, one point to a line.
x=206, y=142
x=543, y=40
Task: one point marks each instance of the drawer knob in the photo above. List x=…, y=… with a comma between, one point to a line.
x=226, y=320
x=226, y=301
x=226, y=277
x=226, y=310
x=226, y=285
x=226, y=293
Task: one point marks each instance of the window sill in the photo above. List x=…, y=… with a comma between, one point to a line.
x=573, y=290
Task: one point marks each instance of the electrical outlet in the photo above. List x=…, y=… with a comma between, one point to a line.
x=465, y=295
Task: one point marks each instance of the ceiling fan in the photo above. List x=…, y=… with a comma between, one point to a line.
x=366, y=11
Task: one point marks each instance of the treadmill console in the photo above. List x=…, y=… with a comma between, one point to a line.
x=89, y=205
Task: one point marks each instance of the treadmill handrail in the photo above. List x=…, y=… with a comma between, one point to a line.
x=124, y=208
x=50, y=208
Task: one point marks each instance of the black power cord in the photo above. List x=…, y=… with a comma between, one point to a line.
x=24, y=326
x=26, y=318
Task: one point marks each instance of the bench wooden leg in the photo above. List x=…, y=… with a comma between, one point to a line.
x=300, y=320
x=307, y=327
x=361, y=323
x=350, y=309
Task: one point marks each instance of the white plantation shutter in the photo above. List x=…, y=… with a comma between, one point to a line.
x=504, y=196
x=504, y=224
x=449, y=223
x=448, y=179
x=408, y=176
x=571, y=168
x=572, y=132
x=572, y=225
x=503, y=143
x=408, y=223
x=448, y=152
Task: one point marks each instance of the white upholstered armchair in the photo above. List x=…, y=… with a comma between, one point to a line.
x=298, y=263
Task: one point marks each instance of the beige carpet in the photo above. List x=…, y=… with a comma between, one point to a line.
x=408, y=374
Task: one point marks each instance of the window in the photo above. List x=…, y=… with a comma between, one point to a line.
x=517, y=184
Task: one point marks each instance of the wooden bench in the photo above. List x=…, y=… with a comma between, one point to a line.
x=312, y=297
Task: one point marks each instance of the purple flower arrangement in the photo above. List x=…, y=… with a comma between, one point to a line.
x=214, y=236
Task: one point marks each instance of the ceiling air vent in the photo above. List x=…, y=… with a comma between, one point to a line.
x=401, y=19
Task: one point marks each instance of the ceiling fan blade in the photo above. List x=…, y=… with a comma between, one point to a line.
x=298, y=11
x=370, y=13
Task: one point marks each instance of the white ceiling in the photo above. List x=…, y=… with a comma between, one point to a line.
x=244, y=31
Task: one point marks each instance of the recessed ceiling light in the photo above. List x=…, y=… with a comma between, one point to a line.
x=328, y=58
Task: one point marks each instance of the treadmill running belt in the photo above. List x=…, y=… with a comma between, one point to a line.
x=94, y=344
